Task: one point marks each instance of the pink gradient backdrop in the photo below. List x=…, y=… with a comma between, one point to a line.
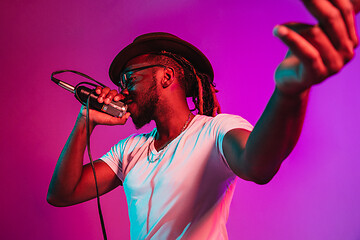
x=314, y=196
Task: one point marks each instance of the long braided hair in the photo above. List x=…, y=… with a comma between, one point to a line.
x=197, y=85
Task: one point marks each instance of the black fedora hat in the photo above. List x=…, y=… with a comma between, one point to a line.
x=155, y=43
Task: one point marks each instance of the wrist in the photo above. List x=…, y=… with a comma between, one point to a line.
x=82, y=121
x=293, y=98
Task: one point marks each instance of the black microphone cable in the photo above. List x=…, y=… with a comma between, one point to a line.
x=87, y=104
x=93, y=167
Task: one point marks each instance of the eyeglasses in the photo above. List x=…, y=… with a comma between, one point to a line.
x=126, y=79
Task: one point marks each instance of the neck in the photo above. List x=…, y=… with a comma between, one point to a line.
x=170, y=123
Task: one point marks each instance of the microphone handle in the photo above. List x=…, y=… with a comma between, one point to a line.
x=116, y=109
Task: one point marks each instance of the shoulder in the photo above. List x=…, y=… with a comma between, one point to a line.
x=225, y=122
x=217, y=127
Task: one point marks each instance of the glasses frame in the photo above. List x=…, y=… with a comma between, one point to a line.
x=124, y=82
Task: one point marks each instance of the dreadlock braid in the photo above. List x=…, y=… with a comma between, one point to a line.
x=200, y=95
x=204, y=98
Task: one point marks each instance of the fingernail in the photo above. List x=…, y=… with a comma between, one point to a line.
x=280, y=31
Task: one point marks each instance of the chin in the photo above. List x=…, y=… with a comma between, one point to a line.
x=139, y=123
x=140, y=119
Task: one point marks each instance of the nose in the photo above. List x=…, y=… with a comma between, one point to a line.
x=125, y=92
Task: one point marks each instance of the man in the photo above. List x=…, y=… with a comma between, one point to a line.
x=179, y=178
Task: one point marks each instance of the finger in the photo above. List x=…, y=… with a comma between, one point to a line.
x=331, y=20
x=103, y=94
x=98, y=90
x=116, y=120
x=118, y=97
x=329, y=55
x=316, y=36
x=110, y=96
x=347, y=11
x=304, y=50
x=125, y=118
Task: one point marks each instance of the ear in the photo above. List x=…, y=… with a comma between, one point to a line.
x=168, y=78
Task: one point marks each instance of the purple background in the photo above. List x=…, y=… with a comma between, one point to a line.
x=316, y=193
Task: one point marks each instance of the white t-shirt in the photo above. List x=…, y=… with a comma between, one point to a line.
x=186, y=192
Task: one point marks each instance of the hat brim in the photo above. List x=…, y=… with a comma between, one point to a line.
x=155, y=43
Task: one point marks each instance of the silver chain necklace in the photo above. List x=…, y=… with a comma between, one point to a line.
x=153, y=141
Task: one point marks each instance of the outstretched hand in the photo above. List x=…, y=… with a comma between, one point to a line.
x=316, y=52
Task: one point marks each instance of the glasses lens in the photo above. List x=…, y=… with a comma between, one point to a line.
x=125, y=77
x=122, y=82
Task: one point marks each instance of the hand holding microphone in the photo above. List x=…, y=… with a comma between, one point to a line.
x=105, y=105
x=110, y=101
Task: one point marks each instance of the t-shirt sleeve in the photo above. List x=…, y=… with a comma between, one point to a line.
x=114, y=158
x=223, y=124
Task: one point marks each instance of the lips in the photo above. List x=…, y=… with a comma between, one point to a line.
x=129, y=104
x=128, y=101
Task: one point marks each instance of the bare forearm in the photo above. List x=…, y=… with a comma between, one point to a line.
x=72, y=181
x=69, y=167
x=276, y=133
x=315, y=53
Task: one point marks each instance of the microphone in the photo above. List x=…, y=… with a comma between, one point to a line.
x=116, y=109
x=82, y=93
